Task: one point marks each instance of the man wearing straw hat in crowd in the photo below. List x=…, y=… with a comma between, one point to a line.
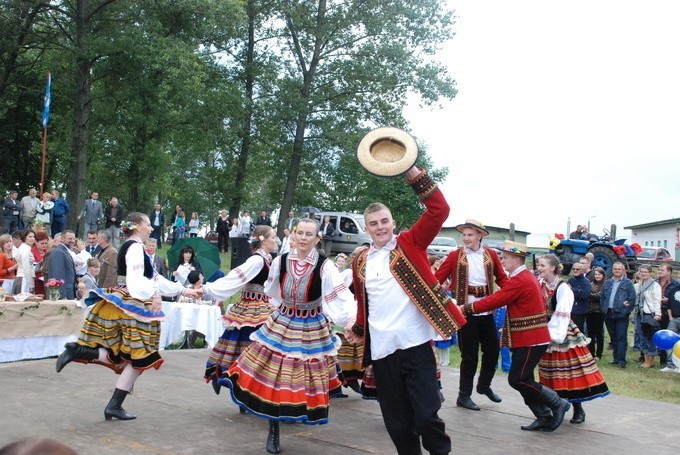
x=401, y=306
x=525, y=332
x=472, y=270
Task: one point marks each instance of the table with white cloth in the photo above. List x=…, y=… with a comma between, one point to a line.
x=38, y=329
x=181, y=317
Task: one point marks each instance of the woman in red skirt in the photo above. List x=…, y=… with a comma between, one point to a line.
x=567, y=366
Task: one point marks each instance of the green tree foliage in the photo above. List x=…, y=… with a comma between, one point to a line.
x=210, y=104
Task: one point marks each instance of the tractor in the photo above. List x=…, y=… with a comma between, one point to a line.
x=605, y=250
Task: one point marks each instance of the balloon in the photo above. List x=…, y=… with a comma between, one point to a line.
x=665, y=339
x=676, y=349
x=676, y=360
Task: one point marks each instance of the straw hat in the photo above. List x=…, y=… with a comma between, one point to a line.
x=470, y=223
x=519, y=249
x=387, y=151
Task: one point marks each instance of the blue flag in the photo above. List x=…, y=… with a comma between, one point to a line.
x=47, y=102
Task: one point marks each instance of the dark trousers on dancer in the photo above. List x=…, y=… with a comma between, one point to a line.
x=407, y=393
x=521, y=375
x=479, y=331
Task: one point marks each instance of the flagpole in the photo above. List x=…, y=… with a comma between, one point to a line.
x=45, y=118
x=44, y=160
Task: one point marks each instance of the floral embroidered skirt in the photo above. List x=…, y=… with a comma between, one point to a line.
x=570, y=370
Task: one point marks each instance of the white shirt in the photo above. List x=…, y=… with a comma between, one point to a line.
x=141, y=287
x=225, y=287
x=476, y=273
x=394, y=322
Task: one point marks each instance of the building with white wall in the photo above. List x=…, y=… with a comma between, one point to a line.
x=664, y=233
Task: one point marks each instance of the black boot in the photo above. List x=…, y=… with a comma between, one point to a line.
x=273, y=438
x=557, y=405
x=354, y=385
x=74, y=351
x=579, y=414
x=115, y=408
x=464, y=401
x=216, y=386
x=543, y=418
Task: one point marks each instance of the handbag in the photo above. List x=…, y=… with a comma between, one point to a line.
x=649, y=325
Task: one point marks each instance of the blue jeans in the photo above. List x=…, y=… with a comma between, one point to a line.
x=617, y=324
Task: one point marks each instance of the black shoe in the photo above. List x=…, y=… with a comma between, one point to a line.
x=558, y=414
x=621, y=365
x=537, y=425
x=490, y=395
x=354, y=385
x=115, y=408
x=579, y=417
x=464, y=401
x=216, y=386
x=273, y=439
x=543, y=417
x=74, y=351
x=339, y=394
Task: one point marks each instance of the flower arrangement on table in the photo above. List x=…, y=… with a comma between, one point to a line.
x=52, y=286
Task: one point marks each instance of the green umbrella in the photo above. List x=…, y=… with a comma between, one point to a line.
x=205, y=253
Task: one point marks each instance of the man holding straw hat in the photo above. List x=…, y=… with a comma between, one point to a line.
x=525, y=332
x=401, y=306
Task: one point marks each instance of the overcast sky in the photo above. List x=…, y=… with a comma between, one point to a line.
x=565, y=110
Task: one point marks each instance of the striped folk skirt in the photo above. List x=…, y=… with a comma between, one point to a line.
x=289, y=370
x=349, y=358
x=241, y=320
x=125, y=327
x=570, y=370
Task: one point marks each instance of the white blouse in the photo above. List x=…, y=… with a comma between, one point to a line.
x=338, y=303
x=238, y=277
x=141, y=287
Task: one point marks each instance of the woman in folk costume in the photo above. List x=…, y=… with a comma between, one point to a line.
x=122, y=330
x=251, y=310
x=349, y=354
x=286, y=374
x=567, y=366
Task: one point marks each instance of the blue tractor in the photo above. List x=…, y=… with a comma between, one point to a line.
x=604, y=250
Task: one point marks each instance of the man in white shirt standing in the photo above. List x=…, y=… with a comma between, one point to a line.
x=472, y=270
x=401, y=307
x=29, y=208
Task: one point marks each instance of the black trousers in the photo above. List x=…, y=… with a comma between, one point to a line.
x=580, y=321
x=521, y=375
x=407, y=392
x=223, y=242
x=479, y=331
x=595, y=323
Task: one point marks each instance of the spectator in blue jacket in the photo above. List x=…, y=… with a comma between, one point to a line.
x=617, y=302
x=580, y=285
x=59, y=213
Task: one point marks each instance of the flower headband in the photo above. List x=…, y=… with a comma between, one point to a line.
x=130, y=225
x=256, y=239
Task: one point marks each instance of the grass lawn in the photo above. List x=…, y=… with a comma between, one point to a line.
x=649, y=384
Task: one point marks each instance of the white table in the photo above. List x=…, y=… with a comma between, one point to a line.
x=181, y=317
x=35, y=330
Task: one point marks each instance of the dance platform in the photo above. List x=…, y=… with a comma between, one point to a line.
x=178, y=413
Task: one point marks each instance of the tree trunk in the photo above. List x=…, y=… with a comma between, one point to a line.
x=246, y=139
x=76, y=185
x=309, y=74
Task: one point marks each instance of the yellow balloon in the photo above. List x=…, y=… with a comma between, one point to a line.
x=676, y=349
